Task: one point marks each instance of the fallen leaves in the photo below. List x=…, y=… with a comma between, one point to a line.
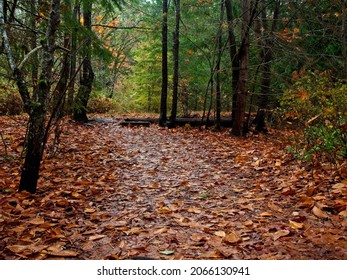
x=114, y=192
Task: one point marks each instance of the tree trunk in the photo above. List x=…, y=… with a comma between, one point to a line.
x=164, y=84
x=218, y=69
x=86, y=82
x=267, y=40
x=241, y=91
x=233, y=54
x=36, y=131
x=35, y=57
x=73, y=62
x=249, y=11
x=176, y=45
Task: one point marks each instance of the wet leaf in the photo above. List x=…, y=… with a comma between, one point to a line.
x=63, y=253
x=220, y=233
x=319, y=213
x=280, y=233
x=274, y=207
x=37, y=221
x=232, y=238
x=167, y=252
x=295, y=225
x=96, y=237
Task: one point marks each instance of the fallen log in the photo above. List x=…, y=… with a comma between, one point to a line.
x=135, y=123
x=194, y=122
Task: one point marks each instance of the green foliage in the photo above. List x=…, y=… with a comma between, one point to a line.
x=318, y=107
x=100, y=104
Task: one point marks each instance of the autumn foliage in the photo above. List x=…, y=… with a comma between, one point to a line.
x=113, y=192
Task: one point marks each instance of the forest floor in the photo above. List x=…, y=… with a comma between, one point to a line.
x=113, y=192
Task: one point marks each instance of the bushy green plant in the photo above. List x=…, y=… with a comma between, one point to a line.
x=318, y=107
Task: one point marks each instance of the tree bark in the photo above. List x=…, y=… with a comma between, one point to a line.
x=218, y=69
x=233, y=54
x=73, y=61
x=241, y=91
x=267, y=41
x=164, y=84
x=86, y=82
x=37, y=117
x=176, y=46
x=249, y=10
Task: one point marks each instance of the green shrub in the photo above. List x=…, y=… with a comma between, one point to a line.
x=100, y=104
x=318, y=108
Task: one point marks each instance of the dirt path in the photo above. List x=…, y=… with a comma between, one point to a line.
x=115, y=192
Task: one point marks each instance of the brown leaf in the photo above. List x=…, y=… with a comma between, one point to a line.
x=161, y=230
x=220, y=233
x=194, y=210
x=232, y=238
x=96, y=237
x=295, y=225
x=17, y=248
x=311, y=190
x=89, y=210
x=63, y=253
x=197, y=237
x=37, y=221
x=266, y=214
x=274, y=207
x=214, y=254
x=280, y=233
x=289, y=191
x=319, y=213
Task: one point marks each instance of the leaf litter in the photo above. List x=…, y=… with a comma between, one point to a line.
x=116, y=192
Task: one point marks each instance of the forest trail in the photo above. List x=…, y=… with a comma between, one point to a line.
x=114, y=192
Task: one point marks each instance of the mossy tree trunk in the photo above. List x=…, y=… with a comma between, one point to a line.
x=86, y=82
x=38, y=107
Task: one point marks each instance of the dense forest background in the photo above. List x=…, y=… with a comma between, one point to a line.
x=260, y=62
x=173, y=129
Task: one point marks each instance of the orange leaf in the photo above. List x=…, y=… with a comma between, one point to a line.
x=37, y=221
x=220, y=233
x=64, y=253
x=232, y=238
x=266, y=214
x=281, y=233
x=96, y=237
x=319, y=213
x=295, y=225
x=274, y=207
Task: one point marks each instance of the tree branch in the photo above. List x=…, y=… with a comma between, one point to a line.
x=121, y=27
x=28, y=56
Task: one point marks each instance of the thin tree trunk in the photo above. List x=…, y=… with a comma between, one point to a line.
x=218, y=69
x=241, y=90
x=35, y=57
x=267, y=41
x=176, y=46
x=249, y=11
x=164, y=84
x=36, y=131
x=86, y=83
x=72, y=60
x=233, y=54
x=343, y=38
